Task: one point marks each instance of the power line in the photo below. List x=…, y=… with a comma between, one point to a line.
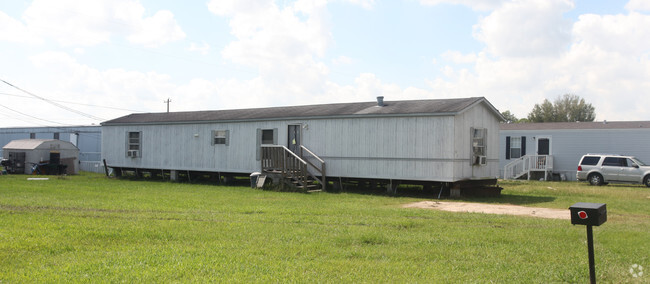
x=73, y=103
x=55, y=104
x=34, y=117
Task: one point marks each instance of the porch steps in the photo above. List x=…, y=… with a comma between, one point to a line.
x=300, y=170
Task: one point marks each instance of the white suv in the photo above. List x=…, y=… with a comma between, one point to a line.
x=601, y=169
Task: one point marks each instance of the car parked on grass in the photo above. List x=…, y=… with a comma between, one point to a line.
x=601, y=169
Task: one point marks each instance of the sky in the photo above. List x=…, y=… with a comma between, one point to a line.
x=70, y=62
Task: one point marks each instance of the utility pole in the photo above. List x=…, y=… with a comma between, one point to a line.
x=167, y=102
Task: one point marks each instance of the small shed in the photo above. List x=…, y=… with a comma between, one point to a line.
x=23, y=154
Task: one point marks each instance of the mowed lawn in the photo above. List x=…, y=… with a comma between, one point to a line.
x=88, y=228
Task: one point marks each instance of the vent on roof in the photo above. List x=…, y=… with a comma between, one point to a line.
x=380, y=101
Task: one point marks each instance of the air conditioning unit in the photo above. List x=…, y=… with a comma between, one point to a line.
x=133, y=153
x=482, y=160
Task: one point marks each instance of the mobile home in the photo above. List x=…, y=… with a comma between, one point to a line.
x=444, y=141
x=553, y=150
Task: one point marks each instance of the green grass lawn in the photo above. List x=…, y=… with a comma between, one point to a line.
x=88, y=228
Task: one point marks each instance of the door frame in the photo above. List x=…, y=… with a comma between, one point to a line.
x=298, y=137
x=550, y=144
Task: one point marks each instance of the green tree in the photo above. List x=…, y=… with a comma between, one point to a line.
x=509, y=117
x=567, y=108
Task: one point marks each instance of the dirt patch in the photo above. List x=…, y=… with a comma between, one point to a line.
x=507, y=209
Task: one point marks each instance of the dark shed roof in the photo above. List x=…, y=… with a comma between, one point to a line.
x=430, y=107
x=577, y=125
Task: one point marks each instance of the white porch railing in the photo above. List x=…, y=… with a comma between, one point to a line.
x=91, y=166
x=527, y=164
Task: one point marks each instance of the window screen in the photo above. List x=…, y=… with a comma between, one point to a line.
x=267, y=136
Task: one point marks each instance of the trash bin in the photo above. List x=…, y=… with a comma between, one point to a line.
x=254, y=177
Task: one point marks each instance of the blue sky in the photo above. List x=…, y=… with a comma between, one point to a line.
x=108, y=58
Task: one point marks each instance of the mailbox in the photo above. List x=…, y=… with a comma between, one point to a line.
x=591, y=214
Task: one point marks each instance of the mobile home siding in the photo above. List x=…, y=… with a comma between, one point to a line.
x=568, y=145
x=417, y=147
x=476, y=117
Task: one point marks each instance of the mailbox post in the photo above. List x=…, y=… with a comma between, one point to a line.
x=589, y=214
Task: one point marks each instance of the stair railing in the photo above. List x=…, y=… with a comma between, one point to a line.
x=279, y=159
x=320, y=168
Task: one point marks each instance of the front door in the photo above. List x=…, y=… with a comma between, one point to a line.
x=543, y=146
x=294, y=138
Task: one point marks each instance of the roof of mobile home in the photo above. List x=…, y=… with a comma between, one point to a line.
x=390, y=108
x=576, y=125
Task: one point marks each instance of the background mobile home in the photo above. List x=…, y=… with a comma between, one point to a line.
x=86, y=138
x=426, y=140
x=24, y=153
x=562, y=144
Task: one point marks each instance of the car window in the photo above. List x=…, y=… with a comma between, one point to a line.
x=615, y=162
x=631, y=163
x=639, y=162
x=590, y=161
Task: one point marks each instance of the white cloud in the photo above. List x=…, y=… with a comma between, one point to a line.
x=342, y=60
x=618, y=33
x=604, y=59
x=285, y=44
x=12, y=30
x=366, y=4
x=154, y=31
x=458, y=57
x=87, y=23
x=481, y=5
x=638, y=5
x=203, y=47
x=525, y=28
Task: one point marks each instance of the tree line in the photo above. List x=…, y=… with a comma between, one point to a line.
x=566, y=108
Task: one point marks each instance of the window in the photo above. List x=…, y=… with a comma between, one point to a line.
x=267, y=136
x=515, y=147
x=220, y=137
x=478, y=141
x=134, y=140
x=133, y=144
x=479, y=151
x=615, y=162
x=590, y=160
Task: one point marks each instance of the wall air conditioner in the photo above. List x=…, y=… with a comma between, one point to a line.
x=482, y=160
x=133, y=153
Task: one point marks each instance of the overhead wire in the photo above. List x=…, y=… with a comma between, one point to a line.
x=73, y=103
x=55, y=103
x=34, y=117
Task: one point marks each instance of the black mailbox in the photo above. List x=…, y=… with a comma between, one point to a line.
x=591, y=214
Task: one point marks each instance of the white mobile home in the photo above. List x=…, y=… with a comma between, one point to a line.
x=553, y=150
x=446, y=140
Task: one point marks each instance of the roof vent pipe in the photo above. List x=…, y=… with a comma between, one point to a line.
x=380, y=101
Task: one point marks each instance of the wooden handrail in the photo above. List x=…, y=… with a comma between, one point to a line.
x=321, y=169
x=279, y=159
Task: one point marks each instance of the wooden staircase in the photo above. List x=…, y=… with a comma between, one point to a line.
x=526, y=165
x=303, y=170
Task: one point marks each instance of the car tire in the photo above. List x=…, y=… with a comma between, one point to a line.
x=646, y=180
x=595, y=179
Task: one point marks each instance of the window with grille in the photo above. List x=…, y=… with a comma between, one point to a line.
x=479, y=151
x=220, y=137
